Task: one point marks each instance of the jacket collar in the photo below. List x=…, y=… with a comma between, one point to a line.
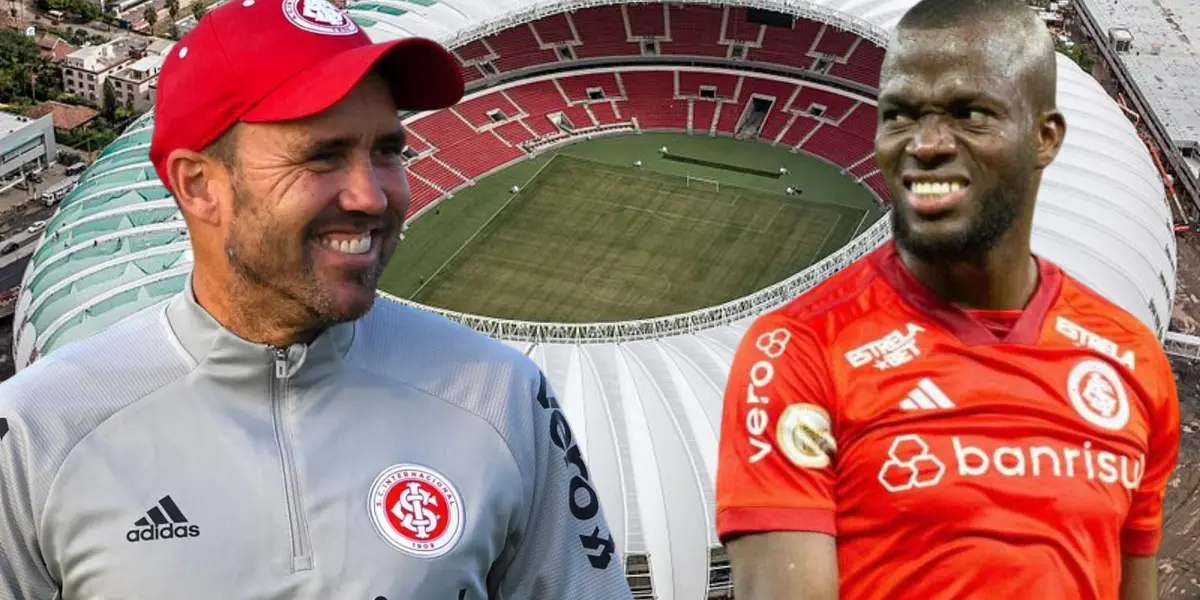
x=209, y=343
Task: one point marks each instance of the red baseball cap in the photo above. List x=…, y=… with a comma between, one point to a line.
x=262, y=61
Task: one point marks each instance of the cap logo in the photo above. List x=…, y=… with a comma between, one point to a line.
x=319, y=16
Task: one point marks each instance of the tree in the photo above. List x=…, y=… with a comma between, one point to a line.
x=80, y=38
x=20, y=62
x=49, y=80
x=151, y=15
x=1080, y=53
x=197, y=10
x=67, y=159
x=16, y=49
x=173, y=8
x=81, y=8
x=108, y=107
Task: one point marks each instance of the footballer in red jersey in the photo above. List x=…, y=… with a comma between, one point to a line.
x=951, y=417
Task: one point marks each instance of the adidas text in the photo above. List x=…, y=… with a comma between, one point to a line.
x=162, y=532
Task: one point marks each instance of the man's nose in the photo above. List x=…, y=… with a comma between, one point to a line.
x=363, y=191
x=932, y=142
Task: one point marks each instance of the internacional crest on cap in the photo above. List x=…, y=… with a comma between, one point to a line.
x=319, y=16
x=417, y=510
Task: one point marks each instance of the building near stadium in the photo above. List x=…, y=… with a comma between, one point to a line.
x=1146, y=50
x=644, y=397
x=1155, y=40
x=26, y=146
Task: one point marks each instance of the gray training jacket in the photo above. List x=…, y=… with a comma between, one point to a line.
x=401, y=457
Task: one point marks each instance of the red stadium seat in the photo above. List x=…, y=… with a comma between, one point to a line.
x=835, y=42
x=603, y=32
x=577, y=86
x=647, y=20
x=475, y=111
x=690, y=30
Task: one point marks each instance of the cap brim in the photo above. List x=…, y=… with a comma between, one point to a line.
x=421, y=73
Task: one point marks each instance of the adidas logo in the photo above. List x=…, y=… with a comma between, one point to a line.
x=163, y=522
x=926, y=396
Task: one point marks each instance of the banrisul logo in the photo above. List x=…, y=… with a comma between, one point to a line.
x=163, y=522
x=912, y=462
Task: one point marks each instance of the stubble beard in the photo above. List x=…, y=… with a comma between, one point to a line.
x=997, y=215
x=279, y=288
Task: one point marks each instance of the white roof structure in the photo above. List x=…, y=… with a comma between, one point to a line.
x=456, y=22
x=1165, y=58
x=643, y=397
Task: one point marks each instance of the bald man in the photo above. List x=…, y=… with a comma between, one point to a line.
x=951, y=417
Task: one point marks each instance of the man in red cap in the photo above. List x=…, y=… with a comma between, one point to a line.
x=272, y=432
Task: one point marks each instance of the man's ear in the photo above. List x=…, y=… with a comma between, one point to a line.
x=1051, y=131
x=197, y=180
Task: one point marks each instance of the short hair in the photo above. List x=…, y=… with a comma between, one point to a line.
x=1013, y=19
x=224, y=148
x=941, y=14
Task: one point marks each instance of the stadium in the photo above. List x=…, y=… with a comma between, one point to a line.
x=687, y=141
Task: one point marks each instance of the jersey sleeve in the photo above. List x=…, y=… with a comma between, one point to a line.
x=1142, y=531
x=776, y=469
x=23, y=573
x=567, y=549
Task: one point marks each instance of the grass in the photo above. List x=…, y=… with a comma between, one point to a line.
x=591, y=238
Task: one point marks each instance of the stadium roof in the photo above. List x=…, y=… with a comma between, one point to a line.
x=1165, y=58
x=643, y=397
x=452, y=21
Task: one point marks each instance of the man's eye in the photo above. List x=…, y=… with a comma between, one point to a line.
x=971, y=113
x=390, y=153
x=324, y=157
x=323, y=162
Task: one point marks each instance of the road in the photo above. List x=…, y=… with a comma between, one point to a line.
x=11, y=273
x=12, y=266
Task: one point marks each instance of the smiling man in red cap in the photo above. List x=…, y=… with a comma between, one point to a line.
x=272, y=432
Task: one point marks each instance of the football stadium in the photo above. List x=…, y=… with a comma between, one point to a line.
x=624, y=188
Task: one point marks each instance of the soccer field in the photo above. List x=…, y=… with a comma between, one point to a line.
x=587, y=240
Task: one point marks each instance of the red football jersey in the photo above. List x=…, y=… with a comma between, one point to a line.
x=947, y=461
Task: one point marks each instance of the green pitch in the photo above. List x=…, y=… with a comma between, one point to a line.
x=592, y=238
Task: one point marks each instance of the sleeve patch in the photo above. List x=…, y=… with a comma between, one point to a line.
x=805, y=436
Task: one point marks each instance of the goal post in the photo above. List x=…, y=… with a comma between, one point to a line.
x=703, y=183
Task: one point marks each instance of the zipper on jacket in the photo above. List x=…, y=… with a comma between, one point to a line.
x=301, y=559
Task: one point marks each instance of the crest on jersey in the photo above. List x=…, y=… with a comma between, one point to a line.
x=417, y=510
x=1098, y=394
x=319, y=16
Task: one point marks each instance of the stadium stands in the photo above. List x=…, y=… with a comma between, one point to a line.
x=673, y=30
x=604, y=27
x=452, y=148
